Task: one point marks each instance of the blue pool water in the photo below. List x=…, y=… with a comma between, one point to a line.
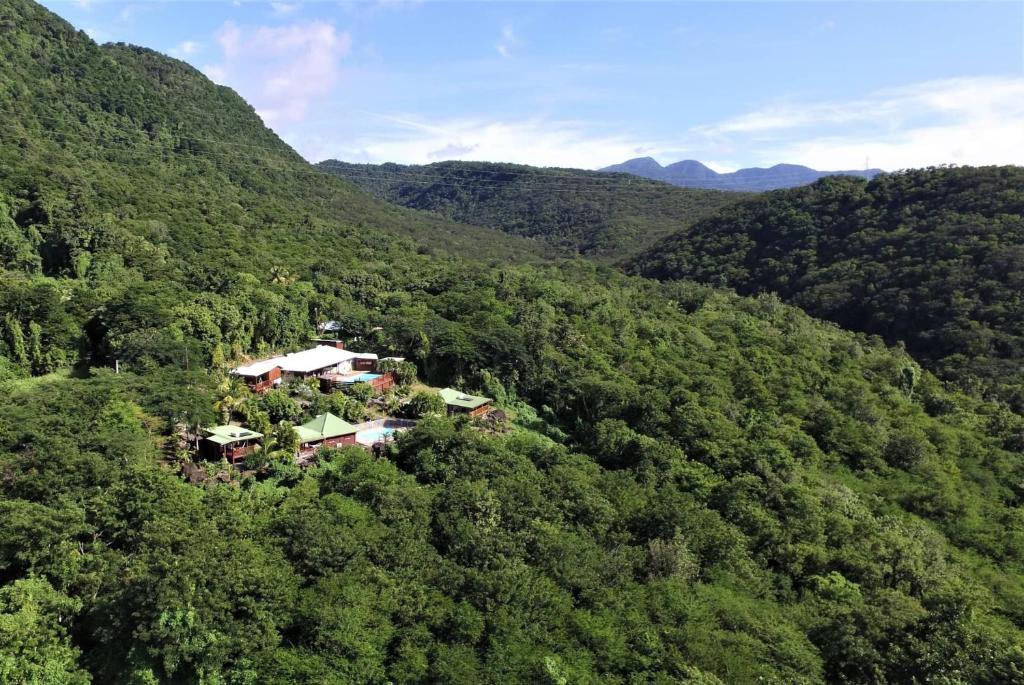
x=373, y=435
x=363, y=378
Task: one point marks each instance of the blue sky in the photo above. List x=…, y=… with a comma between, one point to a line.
x=831, y=85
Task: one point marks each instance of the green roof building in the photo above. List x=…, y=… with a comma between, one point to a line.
x=229, y=442
x=460, y=403
x=325, y=430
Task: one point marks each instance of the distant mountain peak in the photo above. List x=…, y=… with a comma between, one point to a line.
x=691, y=173
x=648, y=167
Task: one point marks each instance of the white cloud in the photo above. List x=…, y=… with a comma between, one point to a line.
x=283, y=8
x=129, y=12
x=537, y=141
x=507, y=41
x=281, y=70
x=971, y=121
x=186, y=48
x=721, y=168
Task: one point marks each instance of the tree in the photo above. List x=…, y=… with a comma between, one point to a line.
x=424, y=404
x=15, y=338
x=34, y=643
x=285, y=440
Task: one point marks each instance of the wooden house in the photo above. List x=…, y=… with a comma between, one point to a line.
x=260, y=376
x=461, y=403
x=326, y=430
x=233, y=443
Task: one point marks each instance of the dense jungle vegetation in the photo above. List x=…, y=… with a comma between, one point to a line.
x=600, y=215
x=933, y=258
x=697, y=486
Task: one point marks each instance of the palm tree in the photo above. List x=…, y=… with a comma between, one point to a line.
x=232, y=395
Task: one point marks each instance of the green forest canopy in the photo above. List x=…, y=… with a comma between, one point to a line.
x=600, y=215
x=933, y=258
x=703, y=487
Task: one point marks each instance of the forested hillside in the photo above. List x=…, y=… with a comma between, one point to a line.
x=932, y=258
x=693, y=487
x=609, y=216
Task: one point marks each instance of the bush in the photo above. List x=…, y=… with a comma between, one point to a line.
x=423, y=404
x=361, y=392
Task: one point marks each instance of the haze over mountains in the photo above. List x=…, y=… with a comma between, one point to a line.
x=690, y=173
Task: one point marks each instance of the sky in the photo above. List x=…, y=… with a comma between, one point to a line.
x=832, y=85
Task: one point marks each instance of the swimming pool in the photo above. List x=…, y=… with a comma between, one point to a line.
x=379, y=430
x=363, y=378
x=374, y=435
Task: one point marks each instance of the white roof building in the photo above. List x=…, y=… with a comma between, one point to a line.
x=258, y=368
x=319, y=358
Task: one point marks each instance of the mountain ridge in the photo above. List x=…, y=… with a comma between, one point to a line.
x=595, y=214
x=932, y=258
x=690, y=173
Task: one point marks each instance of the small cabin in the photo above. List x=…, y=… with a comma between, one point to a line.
x=232, y=443
x=326, y=430
x=260, y=376
x=461, y=403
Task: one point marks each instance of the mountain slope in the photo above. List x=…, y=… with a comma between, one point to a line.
x=933, y=258
x=577, y=211
x=692, y=174
x=693, y=486
x=92, y=106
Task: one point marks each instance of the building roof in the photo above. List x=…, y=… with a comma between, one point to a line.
x=329, y=326
x=319, y=357
x=306, y=361
x=457, y=398
x=323, y=427
x=258, y=368
x=225, y=435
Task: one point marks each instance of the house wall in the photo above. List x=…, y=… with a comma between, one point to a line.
x=309, y=448
x=233, y=453
x=364, y=364
x=341, y=440
x=480, y=411
x=264, y=382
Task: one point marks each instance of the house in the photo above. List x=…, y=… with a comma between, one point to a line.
x=460, y=403
x=326, y=430
x=233, y=443
x=260, y=376
x=330, y=342
x=325, y=359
